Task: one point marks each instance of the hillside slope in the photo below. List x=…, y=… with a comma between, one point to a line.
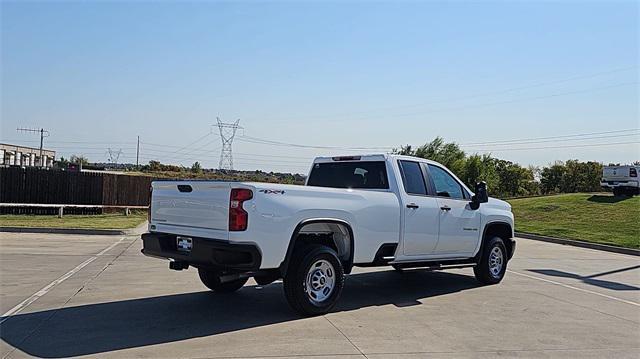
x=599, y=218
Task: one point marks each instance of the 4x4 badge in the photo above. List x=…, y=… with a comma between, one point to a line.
x=271, y=191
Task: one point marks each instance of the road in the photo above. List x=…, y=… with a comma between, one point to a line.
x=70, y=295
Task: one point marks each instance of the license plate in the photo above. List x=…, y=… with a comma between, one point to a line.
x=184, y=244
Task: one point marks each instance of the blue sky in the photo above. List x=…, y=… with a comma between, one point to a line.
x=334, y=74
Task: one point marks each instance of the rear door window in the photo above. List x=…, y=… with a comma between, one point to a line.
x=412, y=178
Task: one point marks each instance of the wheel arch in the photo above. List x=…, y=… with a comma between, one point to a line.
x=347, y=260
x=500, y=229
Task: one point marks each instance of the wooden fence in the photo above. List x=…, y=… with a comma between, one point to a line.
x=45, y=186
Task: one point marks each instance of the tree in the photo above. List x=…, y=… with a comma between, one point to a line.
x=571, y=176
x=196, y=167
x=504, y=178
x=79, y=159
x=551, y=177
x=449, y=154
x=62, y=162
x=581, y=177
x=155, y=166
x=480, y=168
x=403, y=150
x=514, y=180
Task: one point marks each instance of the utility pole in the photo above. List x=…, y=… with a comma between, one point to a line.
x=227, y=133
x=43, y=133
x=138, y=153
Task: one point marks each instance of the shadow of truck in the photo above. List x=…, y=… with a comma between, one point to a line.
x=105, y=327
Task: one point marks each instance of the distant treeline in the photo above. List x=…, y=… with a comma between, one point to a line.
x=507, y=179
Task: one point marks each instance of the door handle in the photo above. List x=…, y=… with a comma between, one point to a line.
x=445, y=208
x=412, y=205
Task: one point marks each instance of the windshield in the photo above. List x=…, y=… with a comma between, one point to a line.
x=361, y=174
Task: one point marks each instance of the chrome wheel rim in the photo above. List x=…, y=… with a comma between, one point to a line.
x=321, y=279
x=496, y=261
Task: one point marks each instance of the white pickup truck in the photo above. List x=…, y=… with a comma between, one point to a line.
x=623, y=180
x=370, y=210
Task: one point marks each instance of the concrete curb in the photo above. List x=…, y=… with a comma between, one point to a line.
x=123, y=232
x=575, y=243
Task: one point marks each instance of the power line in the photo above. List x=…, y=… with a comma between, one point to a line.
x=489, y=104
x=557, y=147
x=200, y=151
x=552, y=137
x=580, y=137
x=287, y=144
x=467, y=97
x=276, y=156
x=80, y=142
x=194, y=142
x=497, y=143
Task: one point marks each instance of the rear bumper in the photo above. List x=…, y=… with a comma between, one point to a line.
x=615, y=184
x=205, y=253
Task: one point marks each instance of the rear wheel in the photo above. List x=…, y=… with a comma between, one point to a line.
x=493, y=262
x=211, y=279
x=314, y=280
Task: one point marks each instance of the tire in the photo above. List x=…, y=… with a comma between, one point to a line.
x=211, y=279
x=493, y=262
x=314, y=280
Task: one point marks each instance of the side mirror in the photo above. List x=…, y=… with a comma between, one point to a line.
x=480, y=195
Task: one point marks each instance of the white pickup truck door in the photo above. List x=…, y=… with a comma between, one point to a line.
x=459, y=227
x=421, y=212
x=459, y=230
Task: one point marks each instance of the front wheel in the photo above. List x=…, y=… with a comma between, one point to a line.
x=493, y=262
x=211, y=279
x=314, y=280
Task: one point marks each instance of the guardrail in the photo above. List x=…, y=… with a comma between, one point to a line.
x=61, y=207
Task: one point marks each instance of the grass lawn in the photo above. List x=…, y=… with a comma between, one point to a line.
x=599, y=218
x=98, y=221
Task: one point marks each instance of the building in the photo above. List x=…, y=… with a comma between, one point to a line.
x=12, y=155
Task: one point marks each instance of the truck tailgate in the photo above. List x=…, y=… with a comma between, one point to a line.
x=195, y=208
x=613, y=173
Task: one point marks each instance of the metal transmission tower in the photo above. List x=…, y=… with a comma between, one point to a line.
x=114, y=156
x=227, y=133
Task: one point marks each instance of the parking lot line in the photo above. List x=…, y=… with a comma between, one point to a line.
x=25, y=303
x=574, y=288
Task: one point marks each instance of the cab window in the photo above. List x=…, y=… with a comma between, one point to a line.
x=445, y=185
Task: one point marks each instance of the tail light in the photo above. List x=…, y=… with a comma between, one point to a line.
x=633, y=172
x=238, y=217
x=149, y=210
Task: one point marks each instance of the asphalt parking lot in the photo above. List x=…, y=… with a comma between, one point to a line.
x=70, y=295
